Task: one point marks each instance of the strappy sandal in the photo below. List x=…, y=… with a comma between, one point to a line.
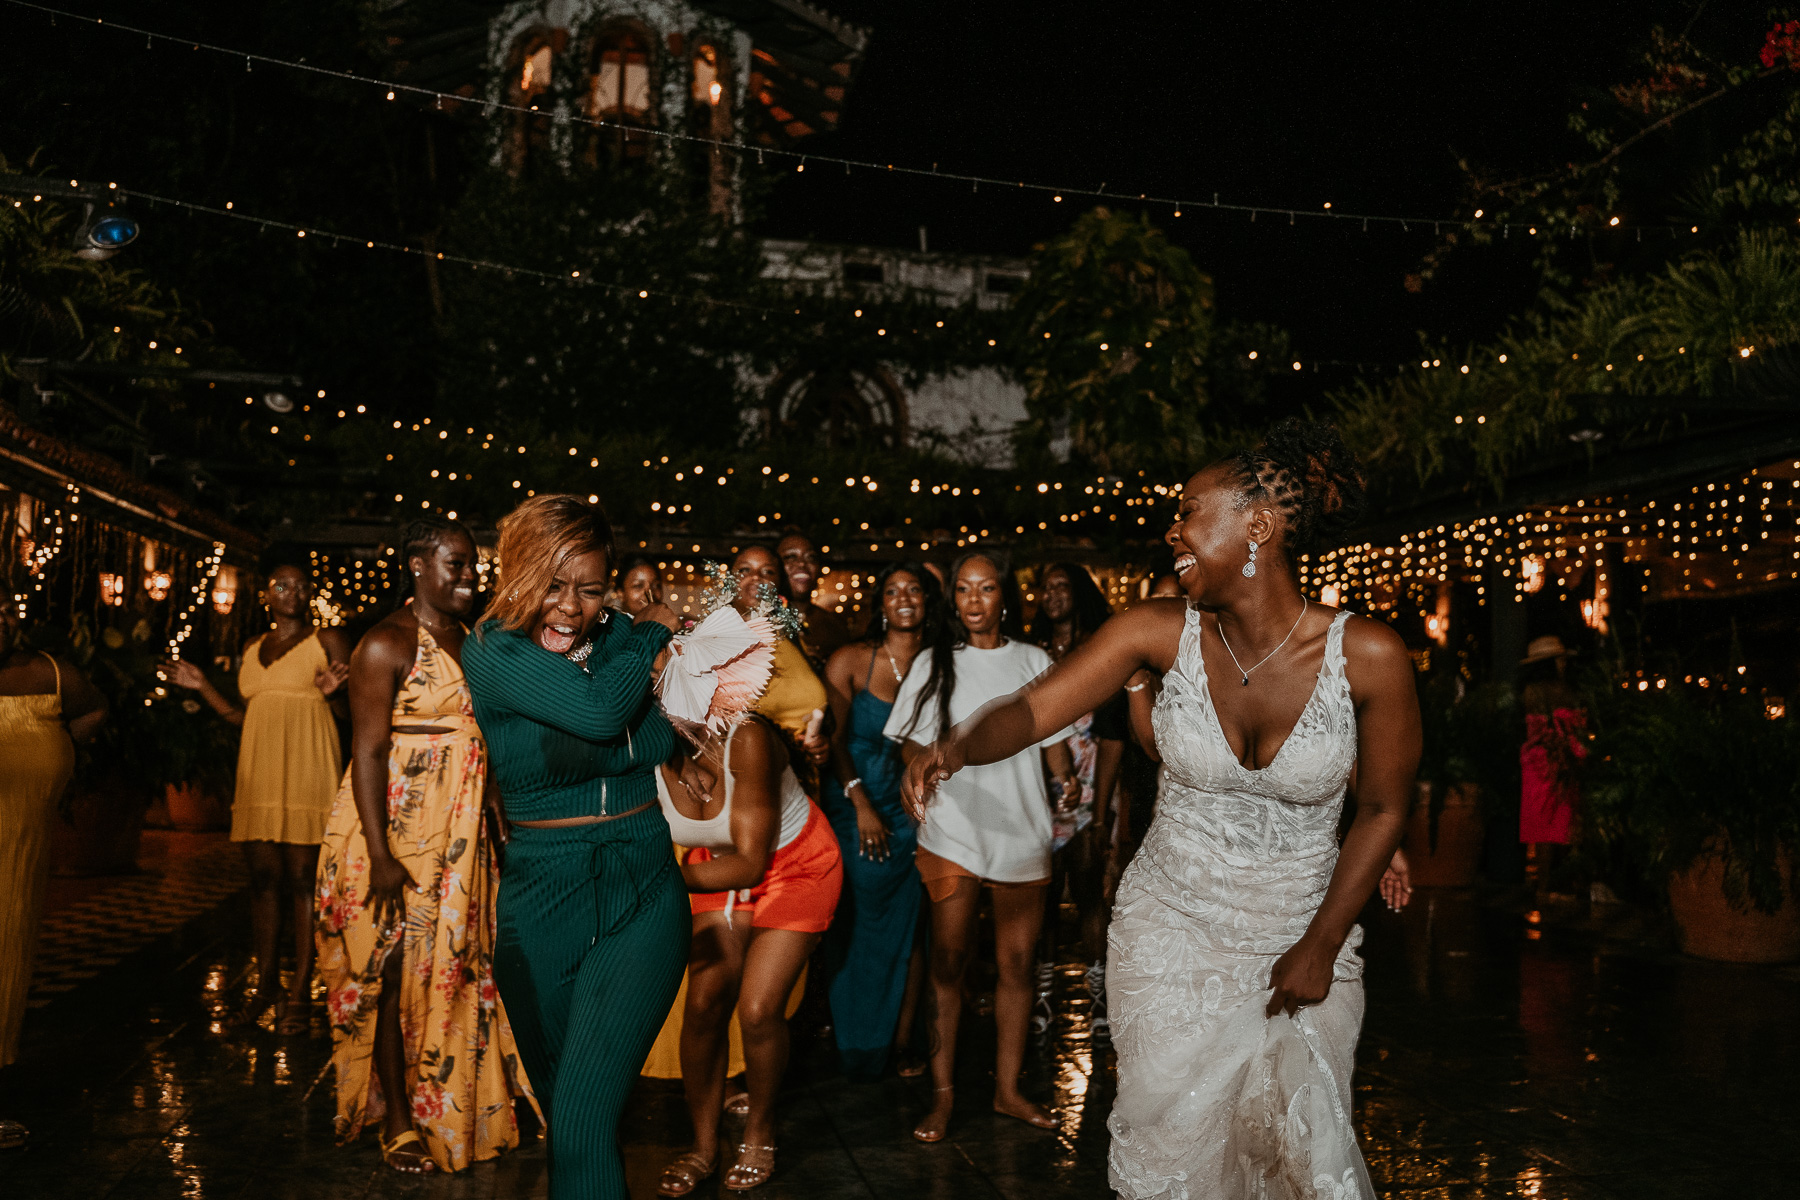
x=13, y=1135
x=934, y=1135
x=422, y=1164
x=738, y=1104
x=911, y=1066
x=685, y=1174
x=745, y=1175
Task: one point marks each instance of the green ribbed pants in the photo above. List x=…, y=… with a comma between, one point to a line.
x=593, y=928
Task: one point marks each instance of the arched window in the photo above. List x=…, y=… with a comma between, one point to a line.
x=531, y=73
x=619, y=92
x=709, y=117
x=836, y=405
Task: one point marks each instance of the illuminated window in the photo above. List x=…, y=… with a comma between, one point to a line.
x=531, y=74
x=619, y=92
x=709, y=118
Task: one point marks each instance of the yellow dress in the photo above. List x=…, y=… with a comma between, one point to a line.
x=463, y=1067
x=288, y=760
x=38, y=758
x=793, y=693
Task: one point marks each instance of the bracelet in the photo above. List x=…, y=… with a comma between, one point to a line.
x=1140, y=687
x=854, y=783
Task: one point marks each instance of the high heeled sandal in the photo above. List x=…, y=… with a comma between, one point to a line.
x=738, y=1104
x=686, y=1173
x=925, y=1135
x=743, y=1175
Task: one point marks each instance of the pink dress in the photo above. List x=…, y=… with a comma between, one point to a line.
x=1554, y=745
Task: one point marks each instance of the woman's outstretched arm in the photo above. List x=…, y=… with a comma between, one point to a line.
x=1148, y=635
x=1389, y=740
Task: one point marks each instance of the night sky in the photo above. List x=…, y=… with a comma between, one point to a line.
x=1286, y=104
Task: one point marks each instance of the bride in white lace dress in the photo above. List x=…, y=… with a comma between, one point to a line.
x=1233, y=983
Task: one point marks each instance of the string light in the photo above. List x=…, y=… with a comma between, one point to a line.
x=1057, y=192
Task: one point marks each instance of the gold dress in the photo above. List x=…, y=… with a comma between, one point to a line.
x=38, y=759
x=793, y=693
x=288, y=760
x=462, y=1065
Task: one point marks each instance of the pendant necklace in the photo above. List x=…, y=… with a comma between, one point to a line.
x=1304, y=603
x=892, y=665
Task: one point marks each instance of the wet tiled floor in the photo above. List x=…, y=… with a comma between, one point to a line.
x=1494, y=1063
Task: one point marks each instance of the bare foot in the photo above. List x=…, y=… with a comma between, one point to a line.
x=1018, y=1106
x=936, y=1122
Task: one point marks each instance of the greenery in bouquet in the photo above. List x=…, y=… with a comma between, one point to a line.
x=1676, y=772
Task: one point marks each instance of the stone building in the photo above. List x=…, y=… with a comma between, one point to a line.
x=694, y=87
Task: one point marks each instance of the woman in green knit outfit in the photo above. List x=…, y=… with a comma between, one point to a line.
x=593, y=919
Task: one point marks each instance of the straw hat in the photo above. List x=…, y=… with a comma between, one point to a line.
x=1549, y=646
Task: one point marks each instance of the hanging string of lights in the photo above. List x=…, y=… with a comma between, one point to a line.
x=800, y=159
x=1747, y=533
x=44, y=543
x=198, y=595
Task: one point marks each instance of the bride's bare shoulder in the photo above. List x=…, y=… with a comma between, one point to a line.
x=1374, y=652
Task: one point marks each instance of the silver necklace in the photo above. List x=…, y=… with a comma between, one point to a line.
x=1304, y=602
x=892, y=665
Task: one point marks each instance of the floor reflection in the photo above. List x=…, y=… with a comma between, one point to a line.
x=1493, y=1063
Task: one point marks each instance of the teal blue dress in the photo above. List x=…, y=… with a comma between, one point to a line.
x=871, y=938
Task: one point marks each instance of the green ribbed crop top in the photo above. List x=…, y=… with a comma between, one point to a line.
x=563, y=741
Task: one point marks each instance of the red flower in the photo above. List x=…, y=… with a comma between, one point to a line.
x=1782, y=46
x=341, y=1004
x=428, y=1102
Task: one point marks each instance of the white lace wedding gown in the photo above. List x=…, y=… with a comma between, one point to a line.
x=1216, y=1100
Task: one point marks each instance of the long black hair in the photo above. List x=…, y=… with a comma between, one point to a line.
x=1090, y=612
x=941, y=684
x=936, y=636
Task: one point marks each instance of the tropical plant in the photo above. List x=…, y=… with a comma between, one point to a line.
x=1674, y=775
x=1471, y=737
x=1114, y=329
x=151, y=737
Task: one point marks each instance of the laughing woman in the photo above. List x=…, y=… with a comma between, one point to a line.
x=593, y=915
x=873, y=944
x=406, y=886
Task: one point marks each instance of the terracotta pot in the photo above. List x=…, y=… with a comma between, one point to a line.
x=101, y=833
x=1457, y=856
x=191, y=808
x=1707, y=926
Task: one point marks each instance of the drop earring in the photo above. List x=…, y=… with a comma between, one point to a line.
x=1250, y=567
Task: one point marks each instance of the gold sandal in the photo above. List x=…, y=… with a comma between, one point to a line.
x=401, y=1140
x=746, y=1175
x=685, y=1174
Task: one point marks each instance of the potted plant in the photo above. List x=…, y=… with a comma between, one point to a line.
x=1699, y=797
x=1470, y=764
x=148, y=743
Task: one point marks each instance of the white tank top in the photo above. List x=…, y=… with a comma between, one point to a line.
x=715, y=833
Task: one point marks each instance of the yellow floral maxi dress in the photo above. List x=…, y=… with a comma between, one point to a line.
x=464, y=1070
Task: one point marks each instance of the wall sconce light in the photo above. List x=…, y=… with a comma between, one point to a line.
x=1531, y=572
x=225, y=588
x=112, y=589
x=157, y=583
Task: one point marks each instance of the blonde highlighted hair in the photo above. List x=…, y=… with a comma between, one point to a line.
x=536, y=538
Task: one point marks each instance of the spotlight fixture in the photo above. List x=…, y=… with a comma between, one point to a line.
x=278, y=402
x=100, y=237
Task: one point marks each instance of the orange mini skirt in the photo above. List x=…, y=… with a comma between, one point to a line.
x=799, y=890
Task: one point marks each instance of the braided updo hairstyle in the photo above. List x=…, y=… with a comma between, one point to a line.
x=419, y=539
x=1306, y=473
